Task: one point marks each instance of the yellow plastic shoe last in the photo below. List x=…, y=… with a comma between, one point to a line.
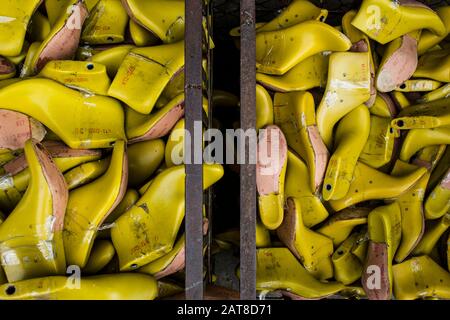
x=87, y=76
x=143, y=160
x=55, y=8
x=303, y=40
x=434, y=230
x=277, y=268
x=16, y=174
x=86, y=173
x=101, y=254
x=144, y=73
x=441, y=167
x=297, y=186
x=371, y=184
x=384, y=21
x=398, y=63
x=86, y=52
x=442, y=92
x=411, y=208
x=400, y=100
x=296, y=12
x=443, y=45
x=270, y=176
x=420, y=277
x=16, y=128
x=434, y=65
x=148, y=230
x=429, y=157
x=380, y=145
x=262, y=236
x=418, y=85
x=361, y=43
x=417, y=139
x=141, y=127
x=20, y=58
x=172, y=89
x=385, y=233
x=145, y=187
x=164, y=18
x=128, y=200
x=27, y=68
x=361, y=245
x=168, y=264
x=350, y=31
x=16, y=16
x=125, y=286
x=264, y=108
x=429, y=39
x=348, y=87
x=308, y=74
x=424, y=116
x=86, y=121
x=6, y=156
x=341, y=224
x=383, y=106
x=7, y=82
x=347, y=267
x=112, y=58
x=174, y=153
x=141, y=36
x=313, y=249
x=168, y=289
x=62, y=41
x=39, y=27
x=438, y=201
x=354, y=291
x=89, y=206
x=64, y=158
x=12, y=189
x=350, y=138
x=106, y=23
x=31, y=237
x=294, y=113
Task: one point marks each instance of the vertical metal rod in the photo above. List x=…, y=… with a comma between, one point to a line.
x=210, y=83
x=248, y=171
x=194, y=172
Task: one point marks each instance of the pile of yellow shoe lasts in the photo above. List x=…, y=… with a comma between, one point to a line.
x=357, y=200
x=88, y=91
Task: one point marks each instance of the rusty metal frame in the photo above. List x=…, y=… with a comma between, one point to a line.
x=248, y=171
x=194, y=171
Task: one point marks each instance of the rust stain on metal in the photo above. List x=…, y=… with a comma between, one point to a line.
x=194, y=172
x=248, y=171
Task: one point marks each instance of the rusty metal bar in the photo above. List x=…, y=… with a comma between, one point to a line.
x=194, y=172
x=248, y=171
x=210, y=81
